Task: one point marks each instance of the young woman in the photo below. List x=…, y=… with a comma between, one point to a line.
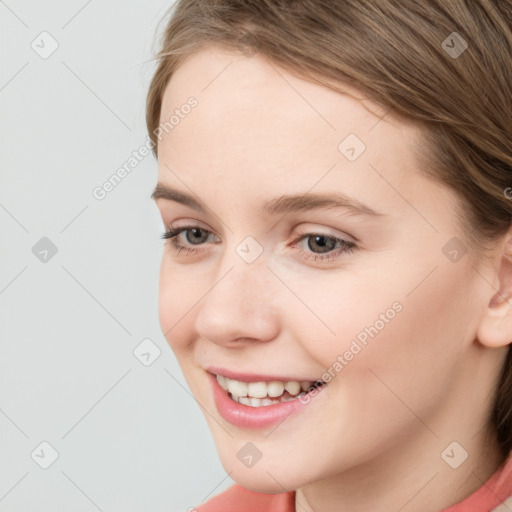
x=335, y=179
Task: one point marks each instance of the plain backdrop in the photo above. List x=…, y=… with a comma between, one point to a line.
x=85, y=424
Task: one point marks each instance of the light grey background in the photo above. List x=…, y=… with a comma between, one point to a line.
x=129, y=437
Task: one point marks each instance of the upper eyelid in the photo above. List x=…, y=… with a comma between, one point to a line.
x=197, y=223
x=341, y=238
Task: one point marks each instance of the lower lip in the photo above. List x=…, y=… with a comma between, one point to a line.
x=246, y=416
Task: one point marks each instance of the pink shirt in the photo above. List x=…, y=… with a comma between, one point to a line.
x=238, y=499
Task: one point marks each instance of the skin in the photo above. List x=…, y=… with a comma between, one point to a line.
x=373, y=438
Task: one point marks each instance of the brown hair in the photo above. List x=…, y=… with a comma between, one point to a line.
x=403, y=55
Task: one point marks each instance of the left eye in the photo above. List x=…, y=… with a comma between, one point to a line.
x=327, y=246
x=325, y=243
x=330, y=247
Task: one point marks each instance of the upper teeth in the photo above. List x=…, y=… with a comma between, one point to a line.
x=262, y=389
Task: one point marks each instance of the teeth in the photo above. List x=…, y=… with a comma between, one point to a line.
x=275, y=388
x=304, y=384
x=293, y=387
x=256, y=394
x=222, y=381
x=259, y=402
x=237, y=388
x=255, y=402
x=256, y=389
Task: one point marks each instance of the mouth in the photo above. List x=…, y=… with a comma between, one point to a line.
x=254, y=401
x=265, y=393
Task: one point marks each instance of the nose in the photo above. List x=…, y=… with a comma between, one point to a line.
x=240, y=305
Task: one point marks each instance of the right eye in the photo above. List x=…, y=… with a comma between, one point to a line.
x=194, y=236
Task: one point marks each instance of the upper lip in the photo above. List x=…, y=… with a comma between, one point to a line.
x=254, y=377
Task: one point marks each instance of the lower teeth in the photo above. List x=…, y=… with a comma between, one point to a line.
x=261, y=402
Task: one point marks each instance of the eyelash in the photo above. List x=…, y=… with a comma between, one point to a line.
x=346, y=246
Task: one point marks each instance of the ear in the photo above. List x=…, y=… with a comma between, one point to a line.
x=495, y=328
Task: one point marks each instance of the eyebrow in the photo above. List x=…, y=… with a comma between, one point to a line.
x=280, y=205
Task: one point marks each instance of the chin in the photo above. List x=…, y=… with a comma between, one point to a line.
x=263, y=477
x=262, y=483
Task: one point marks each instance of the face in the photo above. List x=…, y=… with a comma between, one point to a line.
x=358, y=290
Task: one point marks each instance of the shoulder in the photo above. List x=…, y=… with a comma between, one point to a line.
x=238, y=499
x=495, y=492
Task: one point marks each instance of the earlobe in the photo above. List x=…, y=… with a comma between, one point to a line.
x=496, y=325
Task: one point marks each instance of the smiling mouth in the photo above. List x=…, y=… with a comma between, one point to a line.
x=261, y=394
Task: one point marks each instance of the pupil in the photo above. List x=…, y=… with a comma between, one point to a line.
x=197, y=235
x=323, y=242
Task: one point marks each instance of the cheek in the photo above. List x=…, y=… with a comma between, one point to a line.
x=409, y=352
x=340, y=312
x=178, y=292
x=401, y=325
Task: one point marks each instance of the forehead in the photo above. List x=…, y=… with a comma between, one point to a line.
x=259, y=129
x=230, y=86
